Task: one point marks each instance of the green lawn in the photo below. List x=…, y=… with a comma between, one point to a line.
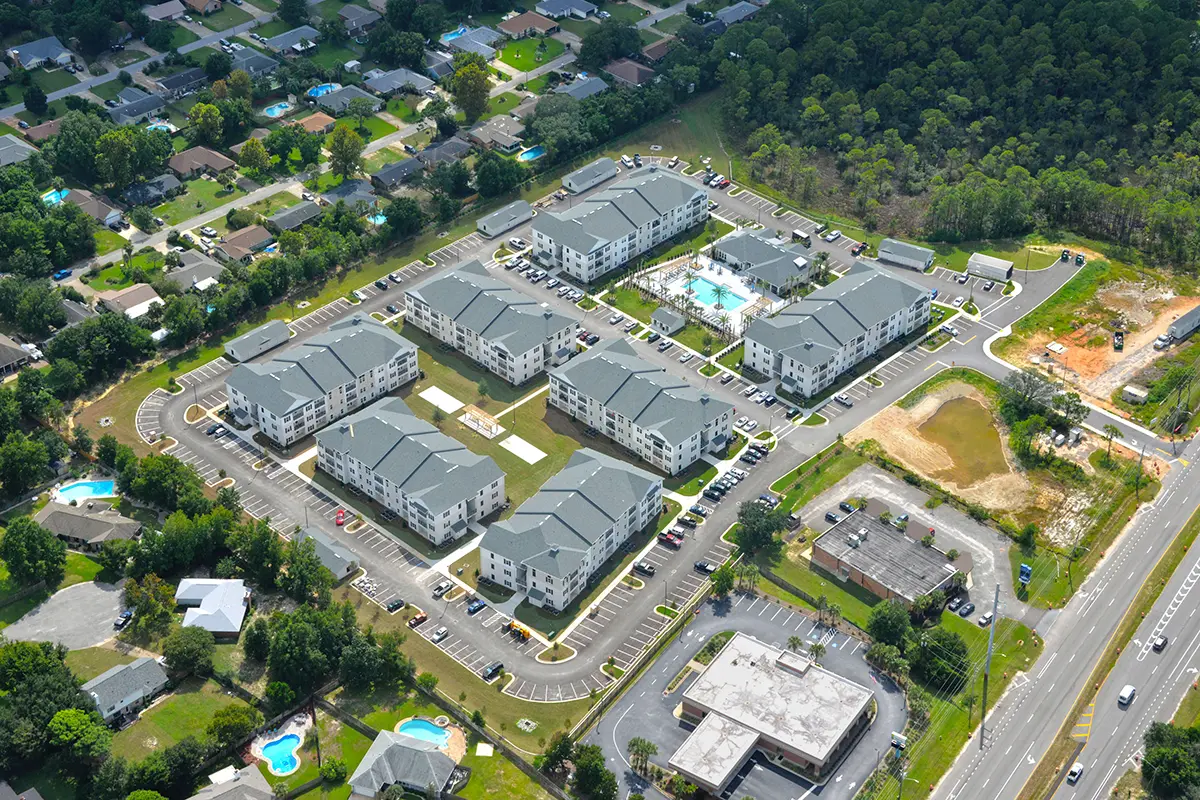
x=373, y=128
x=806, y=482
x=107, y=241
x=53, y=80
x=648, y=36
x=501, y=104
x=265, y=207
x=496, y=778
x=671, y=24
x=328, y=9
x=127, y=57
x=623, y=11
x=230, y=16
x=337, y=741
x=691, y=480
x=273, y=28
x=955, y=256
x=381, y=158
x=186, y=712
x=201, y=195
x=629, y=301
x=55, y=110
x=107, y=91
x=524, y=54
x=537, y=85
x=699, y=338
x=733, y=358
x=181, y=36
x=404, y=107
x=579, y=27
x=330, y=55
x=92, y=661
x=267, y=5
x=114, y=277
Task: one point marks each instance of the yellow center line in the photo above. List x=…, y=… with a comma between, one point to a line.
x=973, y=338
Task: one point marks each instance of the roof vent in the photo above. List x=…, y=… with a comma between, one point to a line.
x=852, y=539
x=553, y=549
x=90, y=504
x=862, y=534
x=808, y=343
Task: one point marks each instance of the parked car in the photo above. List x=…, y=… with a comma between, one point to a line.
x=208, y=230
x=395, y=605
x=685, y=358
x=381, y=285
x=700, y=510
x=726, y=379
x=832, y=517
x=614, y=319
x=668, y=538
x=440, y=590
x=491, y=670
x=748, y=459
x=62, y=274
x=644, y=568
x=706, y=567
x=475, y=606
x=550, y=284
x=653, y=337
x=966, y=609
x=958, y=301
x=439, y=635
x=846, y=506
x=418, y=620
x=340, y=518
x=688, y=522
x=517, y=242
x=674, y=160
x=986, y=619
x=709, y=494
x=216, y=426
x=963, y=278
x=392, y=309
x=858, y=249
x=844, y=399
x=751, y=425
x=954, y=603
x=833, y=236
x=627, y=162
x=664, y=345
x=987, y=287
x=628, y=326
x=592, y=339
x=123, y=620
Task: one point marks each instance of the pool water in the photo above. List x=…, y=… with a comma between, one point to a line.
x=85, y=490
x=377, y=219
x=323, y=89
x=532, y=154
x=55, y=197
x=454, y=34
x=281, y=754
x=426, y=731
x=703, y=288
x=161, y=126
x=277, y=110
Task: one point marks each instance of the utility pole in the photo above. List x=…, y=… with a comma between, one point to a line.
x=987, y=667
x=1137, y=480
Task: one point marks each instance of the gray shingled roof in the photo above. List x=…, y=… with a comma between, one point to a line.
x=895, y=251
x=287, y=219
x=552, y=531
x=426, y=464
x=396, y=79
x=307, y=371
x=476, y=300
x=510, y=216
x=253, y=62
x=259, y=340
x=768, y=260
x=395, y=173
x=137, y=109
x=13, y=150
x=48, y=49
x=615, y=375
x=92, y=525
x=334, y=557
x=196, y=268
x=737, y=12
x=400, y=758
x=248, y=784
x=140, y=675
x=600, y=169
x=181, y=79
x=582, y=88
x=296, y=35
x=338, y=101
x=352, y=191
x=617, y=211
x=812, y=329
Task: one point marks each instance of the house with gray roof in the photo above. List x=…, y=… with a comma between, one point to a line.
x=430, y=480
x=153, y=191
x=131, y=94
x=612, y=227
x=358, y=20
x=126, y=688
x=140, y=109
x=667, y=321
x=48, y=52
x=438, y=65
x=253, y=62
x=500, y=132
x=338, y=101
x=390, y=176
x=398, y=79
x=88, y=526
x=236, y=784
x=258, y=341
x=334, y=557
x=594, y=174
x=196, y=272
x=12, y=355
x=183, y=81
x=7, y=792
x=351, y=192
x=582, y=88
x=505, y=219
x=13, y=150
x=557, y=9
x=403, y=760
x=549, y=549
x=164, y=12
x=641, y=406
x=903, y=254
x=288, y=42
x=472, y=40
x=217, y=605
x=490, y=322
x=452, y=149
x=776, y=265
x=738, y=12
x=322, y=379
x=291, y=218
x=808, y=344
x=241, y=245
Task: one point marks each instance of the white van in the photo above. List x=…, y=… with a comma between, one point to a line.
x=1127, y=694
x=802, y=237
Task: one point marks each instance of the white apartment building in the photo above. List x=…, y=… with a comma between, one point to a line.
x=579, y=518
x=489, y=321
x=660, y=417
x=312, y=384
x=431, y=481
x=612, y=227
x=813, y=341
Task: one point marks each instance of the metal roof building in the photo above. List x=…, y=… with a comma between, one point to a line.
x=593, y=174
x=505, y=219
x=214, y=604
x=903, y=254
x=258, y=341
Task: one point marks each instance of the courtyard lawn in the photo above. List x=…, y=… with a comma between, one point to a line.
x=107, y=241
x=691, y=480
x=230, y=16
x=733, y=358
x=92, y=661
x=699, y=338
x=186, y=712
x=523, y=54
x=53, y=80
x=201, y=195
x=500, y=104
x=181, y=36
x=629, y=301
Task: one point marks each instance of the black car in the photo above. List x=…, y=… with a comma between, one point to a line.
x=792, y=413
x=645, y=568
x=395, y=605
x=393, y=310
x=704, y=566
x=1160, y=644
x=381, y=285
x=846, y=506
x=123, y=620
x=699, y=510
x=491, y=670
x=709, y=494
x=592, y=339
x=954, y=603
x=216, y=426
x=966, y=610
x=760, y=447
x=687, y=522
x=717, y=488
x=832, y=517
x=748, y=459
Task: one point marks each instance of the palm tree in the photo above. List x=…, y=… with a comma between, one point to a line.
x=821, y=263
x=821, y=604
x=835, y=614
x=689, y=275
x=723, y=321
x=795, y=643
x=640, y=751
x=719, y=294
x=816, y=650
x=1110, y=432
x=747, y=573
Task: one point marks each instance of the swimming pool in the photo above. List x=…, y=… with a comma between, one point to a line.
x=705, y=293
x=86, y=490
x=454, y=34
x=323, y=89
x=281, y=754
x=377, y=219
x=55, y=197
x=425, y=730
x=277, y=110
x=532, y=154
x=160, y=125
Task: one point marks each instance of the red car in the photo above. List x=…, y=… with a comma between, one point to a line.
x=858, y=249
x=418, y=620
x=666, y=537
x=341, y=516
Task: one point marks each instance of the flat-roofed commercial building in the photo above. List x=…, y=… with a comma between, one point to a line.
x=433, y=482
x=593, y=174
x=808, y=344
x=990, y=267
x=489, y=321
x=554, y=542
x=756, y=697
x=903, y=254
x=310, y=385
x=605, y=231
x=663, y=419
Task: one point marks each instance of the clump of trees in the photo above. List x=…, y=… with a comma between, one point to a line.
x=937, y=657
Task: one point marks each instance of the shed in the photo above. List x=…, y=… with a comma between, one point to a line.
x=505, y=219
x=990, y=267
x=1134, y=394
x=666, y=321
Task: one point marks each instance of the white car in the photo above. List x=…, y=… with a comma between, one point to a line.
x=208, y=230
x=750, y=391
x=1127, y=694
x=833, y=236
x=614, y=319
x=627, y=162
x=751, y=425
x=207, y=242
x=741, y=421
x=958, y=301
x=440, y=634
x=517, y=243
x=760, y=397
x=396, y=277
x=717, y=179
x=358, y=295
x=550, y=284
x=1075, y=774
x=685, y=358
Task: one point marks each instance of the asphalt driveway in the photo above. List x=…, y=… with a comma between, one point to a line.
x=79, y=616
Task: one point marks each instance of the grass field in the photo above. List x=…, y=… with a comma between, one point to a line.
x=623, y=11
x=500, y=104
x=201, y=195
x=181, y=36
x=523, y=54
x=230, y=16
x=648, y=36
x=381, y=158
x=265, y=207
x=107, y=241
x=955, y=256
x=671, y=24
x=806, y=482
x=331, y=56
x=579, y=27
x=92, y=661
x=108, y=90
x=273, y=28
x=127, y=57
x=53, y=80
x=185, y=713
x=372, y=128
x=113, y=276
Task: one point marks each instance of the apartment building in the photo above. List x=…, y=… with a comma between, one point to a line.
x=321, y=380
x=813, y=341
x=608, y=229
x=431, y=481
x=660, y=417
x=484, y=318
x=550, y=547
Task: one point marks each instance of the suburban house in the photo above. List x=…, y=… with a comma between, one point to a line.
x=39, y=133
x=557, y=9
x=452, y=149
x=293, y=42
x=338, y=101
x=629, y=72
x=256, y=133
x=291, y=218
x=472, y=40
x=165, y=12
x=86, y=527
x=528, y=24
x=903, y=254
x=397, y=759
x=13, y=150
x=505, y=219
x=232, y=783
x=126, y=688
x=738, y=12
x=314, y=383
x=549, y=549
x=134, y=301
x=241, y=245
x=7, y=792
x=358, y=20
x=666, y=321
x=808, y=344
x=608, y=229
x=196, y=272
x=351, y=192
x=12, y=356
x=775, y=264
x=657, y=51
x=489, y=321
x=199, y=161
x=594, y=174
x=334, y=557
x=582, y=88
x=438, y=65
x=526, y=107
x=142, y=108
x=317, y=122
x=48, y=52
x=215, y=604
x=153, y=191
x=93, y=206
x=203, y=7
x=254, y=63
x=185, y=81
x=642, y=407
x=430, y=480
x=258, y=341
x=5, y=72
x=501, y=132
x=388, y=83
x=391, y=176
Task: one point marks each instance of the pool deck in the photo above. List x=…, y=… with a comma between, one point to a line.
x=711, y=272
x=456, y=747
x=297, y=724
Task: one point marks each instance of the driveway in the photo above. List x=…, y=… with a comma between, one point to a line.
x=79, y=616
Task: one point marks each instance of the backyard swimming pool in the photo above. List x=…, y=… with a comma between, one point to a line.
x=323, y=89
x=426, y=731
x=532, y=154
x=277, y=110
x=55, y=197
x=281, y=754
x=161, y=125
x=704, y=289
x=454, y=34
x=377, y=219
x=86, y=490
